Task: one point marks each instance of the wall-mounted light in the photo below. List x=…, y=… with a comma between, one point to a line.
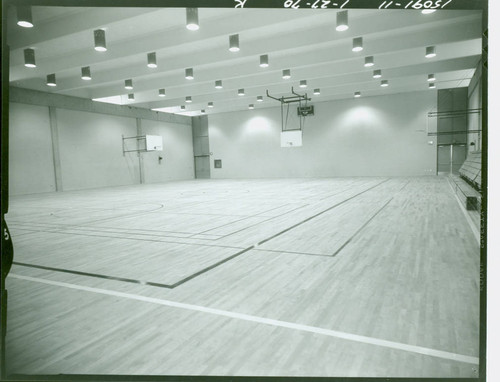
x=384, y=83
x=192, y=19
x=86, y=73
x=369, y=61
x=51, y=80
x=431, y=77
x=100, y=40
x=357, y=94
x=430, y=52
x=128, y=84
x=131, y=96
x=241, y=92
x=377, y=73
x=286, y=74
x=234, y=43
x=260, y=99
x=161, y=92
x=210, y=104
x=29, y=58
x=342, y=21
x=357, y=44
x=24, y=18
x=316, y=92
x=189, y=74
x=218, y=84
x=264, y=61
x=152, y=60
x=188, y=99
x=303, y=84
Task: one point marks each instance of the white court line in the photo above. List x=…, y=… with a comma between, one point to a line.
x=469, y=220
x=267, y=321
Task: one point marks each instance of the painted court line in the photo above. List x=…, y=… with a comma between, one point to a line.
x=267, y=321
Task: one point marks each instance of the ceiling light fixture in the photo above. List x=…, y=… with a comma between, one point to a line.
x=241, y=92
x=86, y=73
x=430, y=52
x=357, y=44
x=264, y=61
x=189, y=74
x=286, y=74
x=29, y=58
x=218, y=84
x=128, y=84
x=210, y=104
x=316, y=92
x=431, y=77
x=369, y=61
x=183, y=107
x=202, y=111
x=342, y=21
x=131, y=96
x=24, y=18
x=51, y=80
x=152, y=60
x=251, y=106
x=188, y=99
x=234, y=43
x=357, y=94
x=161, y=92
x=303, y=84
x=192, y=19
x=259, y=99
x=100, y=40
x=384, y=83
x=432, y=85
x=377, y=73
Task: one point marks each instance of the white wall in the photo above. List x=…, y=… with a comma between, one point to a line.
x=474, y=102
x=370, y=136
x=31, y=168
x=90, y=150
x=177, y=154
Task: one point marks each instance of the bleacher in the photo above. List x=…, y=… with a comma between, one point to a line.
x=468, y=185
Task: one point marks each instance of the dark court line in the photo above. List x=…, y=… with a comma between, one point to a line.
x=94, y=275
x=363, y=226
x=319, y=213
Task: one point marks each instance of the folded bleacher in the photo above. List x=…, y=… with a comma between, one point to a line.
x=468, y=185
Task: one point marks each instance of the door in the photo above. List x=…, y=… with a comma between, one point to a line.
x=444, y=159
x=202, y=167
x=458, y=154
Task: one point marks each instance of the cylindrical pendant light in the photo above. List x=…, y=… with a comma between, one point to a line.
x=286, y=74
x=369, y=61
x=264, y=61
x=51, y=80
x=128, y=84
x=131, y=96
x=432, y=85
x=259, y=99
x=251, y=106
x=218, y=84
x=189, y=74
x=188, y=99
x=234, y=43
x=357, y=44
x=342, y=21
x=430, y=52
x=152, y=60
x=384, y=83
x=377, y=73
x=24, y=18
x=161, y=92
x=210, y=104
x=29, y=58
x=86, y=73
x=192, y=19
x=303, y=84
x=100, y=40
x=316, y=92
x=241, y=92
x=357, y=94
x=431, y=77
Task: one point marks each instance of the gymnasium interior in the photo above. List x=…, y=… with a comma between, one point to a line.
x=238, y=191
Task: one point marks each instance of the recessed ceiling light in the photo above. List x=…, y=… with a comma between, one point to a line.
x=369, y=61
x=264, y=61
x=377, y=73
x=128, y=84
x=183, y=107
x=24, y=18
x=100, y=40
x=303, y=84
x=131, y=96
x=189, y=74
x=86, y=73
x=192, y=19
x=210, y=104
x=161, y=92
x=384, y=83
x=357, y=94
x=430, y=52
x=251, y=106
x=342, y=21
x=188, y=99
x=357, y=44
x=286, y=74
x=51, y=80
x=259, y=99
x=432, y=85
x=431, y=77
x=29, y=58
x=241, y=92
x=218, y=84
x=152, y=60
x=234, y=43
x=202, y=111
x=316, y=92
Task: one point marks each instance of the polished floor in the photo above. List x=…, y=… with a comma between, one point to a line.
x=287, y=277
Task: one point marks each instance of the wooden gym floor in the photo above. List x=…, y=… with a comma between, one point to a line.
x=294, y=277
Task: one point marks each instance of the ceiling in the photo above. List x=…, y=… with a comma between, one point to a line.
x=302, y=40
